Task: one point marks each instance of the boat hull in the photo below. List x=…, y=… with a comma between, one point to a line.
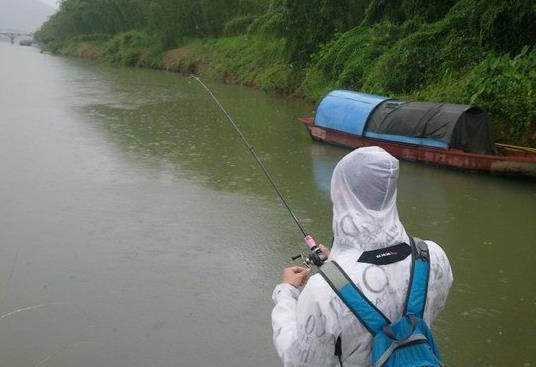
x=512, y=164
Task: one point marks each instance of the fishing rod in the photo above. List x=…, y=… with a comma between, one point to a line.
x=315, y=256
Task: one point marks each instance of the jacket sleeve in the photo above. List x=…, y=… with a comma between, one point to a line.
x=284, y=321
x=440, y=281
x=305, y=330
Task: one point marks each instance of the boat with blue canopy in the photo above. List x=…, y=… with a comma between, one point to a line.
x=444, y=134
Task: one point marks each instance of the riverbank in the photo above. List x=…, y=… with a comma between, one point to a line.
x=253, y=61
x=503, y=85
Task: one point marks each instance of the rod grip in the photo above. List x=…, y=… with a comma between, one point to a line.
x=310, y=242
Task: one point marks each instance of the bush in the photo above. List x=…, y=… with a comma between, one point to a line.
x=423, y=55
x=273, y=22
x=310, y=24
x=503, y=26
x=239, y=25
x=347, y=59
x=407, y=65
x=506, y=87
x=399, y=11
x=132, y=48
x=95, y=38
x=254, y=60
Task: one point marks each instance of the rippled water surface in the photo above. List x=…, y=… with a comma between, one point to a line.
x=135, y=230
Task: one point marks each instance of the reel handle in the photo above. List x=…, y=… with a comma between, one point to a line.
x=294, y=258
x=315, y=255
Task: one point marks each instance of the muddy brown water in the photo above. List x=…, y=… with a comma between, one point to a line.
x=135, y=230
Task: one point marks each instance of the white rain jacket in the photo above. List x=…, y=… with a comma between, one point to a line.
x=307, y=324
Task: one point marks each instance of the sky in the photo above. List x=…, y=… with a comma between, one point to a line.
x=24, y=15
x=53, y=3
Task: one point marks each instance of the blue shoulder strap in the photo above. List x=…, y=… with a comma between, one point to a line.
x=418, y=284
x=369, y=316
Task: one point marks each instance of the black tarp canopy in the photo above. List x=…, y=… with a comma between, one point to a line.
x=459, y=126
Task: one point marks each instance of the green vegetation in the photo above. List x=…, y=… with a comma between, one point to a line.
x=462, y=51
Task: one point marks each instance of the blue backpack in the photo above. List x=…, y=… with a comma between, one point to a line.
x=406, y=342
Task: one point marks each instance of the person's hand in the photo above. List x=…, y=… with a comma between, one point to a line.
x=324, y=250
x=295, y=275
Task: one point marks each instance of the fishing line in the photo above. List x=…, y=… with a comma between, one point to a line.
x=316, y=256
x=253, y=152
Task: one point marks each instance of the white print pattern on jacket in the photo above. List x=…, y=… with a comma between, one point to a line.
x=365, y=217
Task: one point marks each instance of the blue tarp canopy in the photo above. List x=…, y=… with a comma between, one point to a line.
x=440, y=125
x=346, y=111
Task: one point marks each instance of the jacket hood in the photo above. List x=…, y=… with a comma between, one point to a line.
x=363, y=193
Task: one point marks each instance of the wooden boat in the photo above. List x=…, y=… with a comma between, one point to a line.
x=446, y=135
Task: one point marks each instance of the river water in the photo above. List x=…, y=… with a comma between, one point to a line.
x=135, y=230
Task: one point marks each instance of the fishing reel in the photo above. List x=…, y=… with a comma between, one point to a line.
x=310, y=259
x=315, y=256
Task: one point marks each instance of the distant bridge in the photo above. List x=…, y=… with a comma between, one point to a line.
x=12, y=35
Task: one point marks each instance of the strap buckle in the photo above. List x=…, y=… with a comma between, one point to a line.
x=421, y=250
x=387, y=330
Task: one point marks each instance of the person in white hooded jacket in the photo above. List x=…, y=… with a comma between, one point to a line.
x=307, y=324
